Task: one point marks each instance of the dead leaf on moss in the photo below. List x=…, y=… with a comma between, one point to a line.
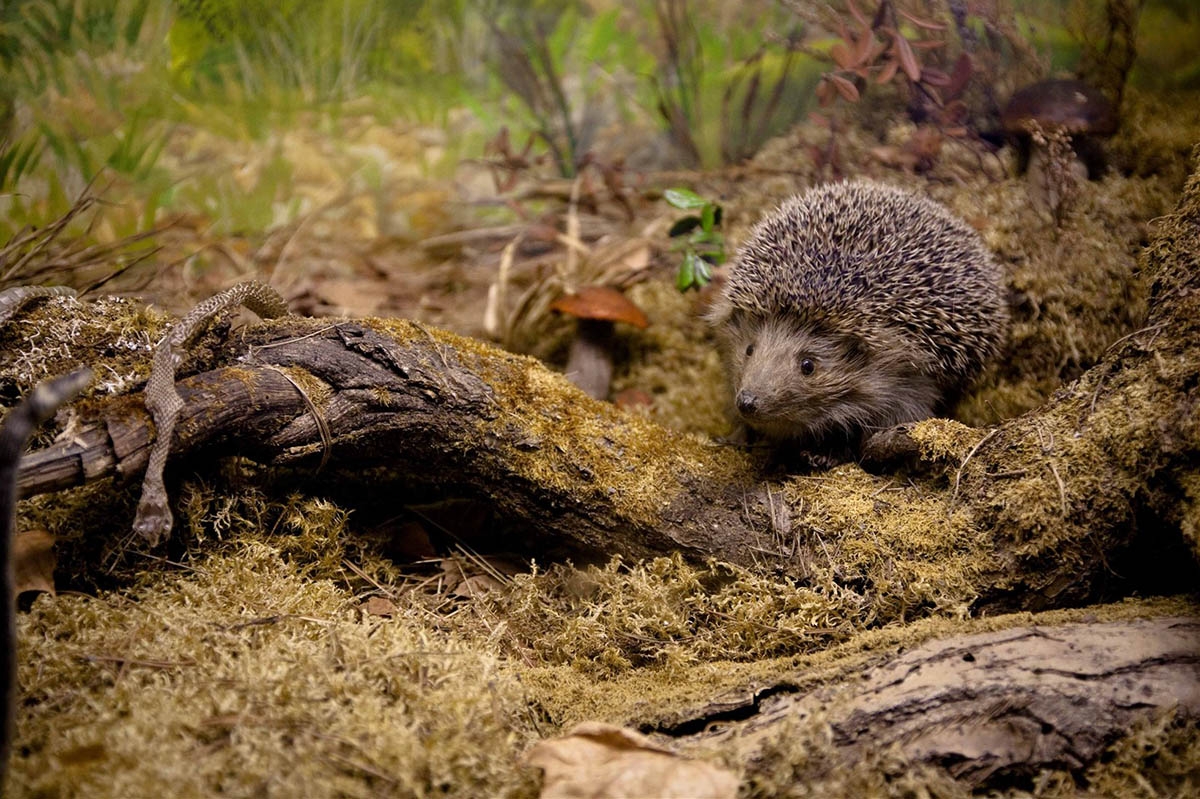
x=380, y=606
x=632, y=398
x=602, y=761
x=477, y=585
x=33, y=562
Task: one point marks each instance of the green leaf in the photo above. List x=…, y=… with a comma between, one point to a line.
x=708, y=217
x=686, y=277
x=685, y=199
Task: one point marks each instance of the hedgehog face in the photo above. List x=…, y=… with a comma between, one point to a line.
x=797, y=382
x=791, y=381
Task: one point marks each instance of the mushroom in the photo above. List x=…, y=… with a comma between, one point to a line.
x=1067, y=107
x=598, y=309
x=1057, y=125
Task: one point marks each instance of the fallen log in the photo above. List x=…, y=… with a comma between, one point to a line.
x=991, y=709
x=1051, y=509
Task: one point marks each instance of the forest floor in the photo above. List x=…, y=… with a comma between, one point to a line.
x=291, y=651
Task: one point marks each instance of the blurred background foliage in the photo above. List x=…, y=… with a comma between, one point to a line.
x=132, y=96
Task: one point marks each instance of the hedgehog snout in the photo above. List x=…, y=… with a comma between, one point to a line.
x=747, y=402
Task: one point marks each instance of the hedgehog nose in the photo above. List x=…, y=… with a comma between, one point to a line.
x=747, y=403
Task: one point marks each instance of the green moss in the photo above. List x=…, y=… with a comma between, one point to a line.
x=567, y=440
x=52, y=337
x=249, y=671
x=241, y=675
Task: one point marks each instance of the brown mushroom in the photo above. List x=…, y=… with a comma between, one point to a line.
x=1057, y=125
x=598, y=309
x=1066, y=107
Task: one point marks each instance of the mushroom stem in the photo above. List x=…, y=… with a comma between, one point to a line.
x=590, y=363
x=1055, y=173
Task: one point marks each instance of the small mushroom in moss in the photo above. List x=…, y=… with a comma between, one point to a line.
x=1058, y=125
x=598, y=309
x=1069, y=108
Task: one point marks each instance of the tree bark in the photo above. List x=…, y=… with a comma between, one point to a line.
x=994, y=708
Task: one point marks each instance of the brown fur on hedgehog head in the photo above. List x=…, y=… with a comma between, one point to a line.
x=854, y=307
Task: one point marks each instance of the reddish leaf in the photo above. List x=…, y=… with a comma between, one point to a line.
x=927, y=24
x=33, y=561
x=906, y=57
x=935, y=77
x=841, y=55
x=845, y=88
x=853, y=9
x=888, y=72
x=844, y=33
x=863, y=47
x=824, y=91
x=959, y=76
x=927, y=44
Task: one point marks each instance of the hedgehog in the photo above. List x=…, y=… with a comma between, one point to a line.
x=852, y=308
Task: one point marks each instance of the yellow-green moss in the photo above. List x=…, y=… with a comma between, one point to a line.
x=244, y=673
x=240, y=675
x=55, y=336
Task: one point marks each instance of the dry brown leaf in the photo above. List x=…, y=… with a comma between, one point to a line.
x=603, y=761
x=888, y=72
x=845, y=88
x=380, y=606
x=841, y=55
x=477, y=585
x=906, y=56
x=33, y=562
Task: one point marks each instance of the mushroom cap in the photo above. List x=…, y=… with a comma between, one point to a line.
x=600, y=302
x=1068, y=105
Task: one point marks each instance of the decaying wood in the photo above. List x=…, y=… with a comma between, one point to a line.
x=997, y=706
x=430, y=407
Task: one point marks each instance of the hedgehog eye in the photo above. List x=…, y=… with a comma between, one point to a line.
x=807, y=365
x=750, y=349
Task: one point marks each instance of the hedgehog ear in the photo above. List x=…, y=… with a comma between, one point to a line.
x=856, y=347
x=720, y=312
x=734, y=321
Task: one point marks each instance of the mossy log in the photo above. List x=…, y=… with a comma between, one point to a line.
x=1052, y=509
